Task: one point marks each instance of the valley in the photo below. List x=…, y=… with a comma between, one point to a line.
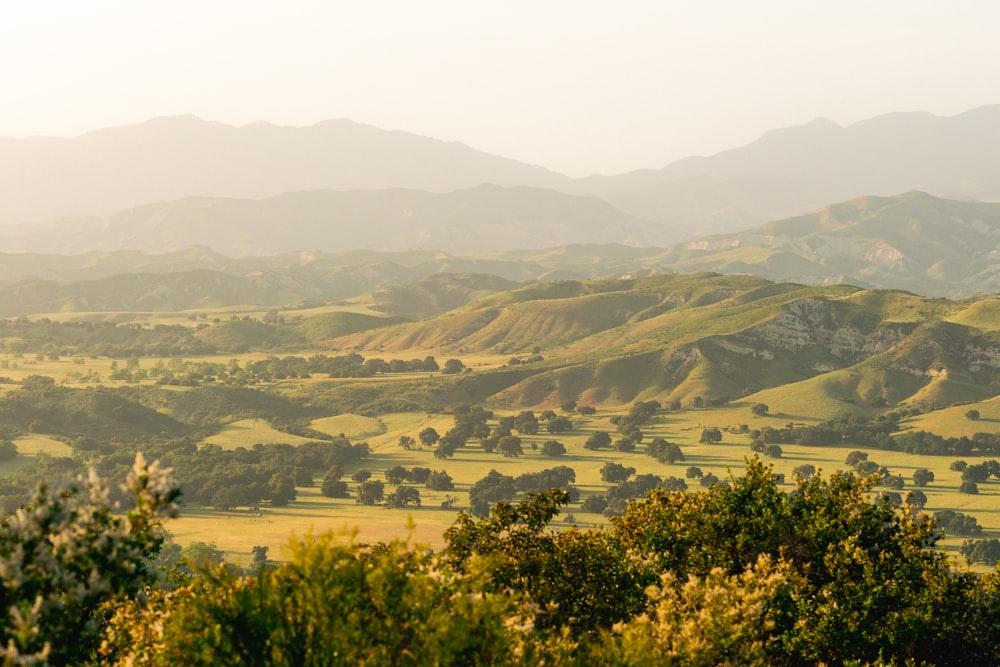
x=249, y=388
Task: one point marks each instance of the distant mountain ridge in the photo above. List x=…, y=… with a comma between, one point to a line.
x=914, y=241
x=782, y=174
x=173, y=157
x=477, y=219
x=796, y=169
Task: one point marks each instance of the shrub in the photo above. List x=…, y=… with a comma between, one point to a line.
x=67, y=556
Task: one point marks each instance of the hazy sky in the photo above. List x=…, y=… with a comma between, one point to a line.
x=578, y=86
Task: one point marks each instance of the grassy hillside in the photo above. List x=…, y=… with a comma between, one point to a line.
x=715, y=338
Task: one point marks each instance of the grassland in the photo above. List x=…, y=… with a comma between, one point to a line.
x=249, y=432
x=238, y=531
x=732, y=341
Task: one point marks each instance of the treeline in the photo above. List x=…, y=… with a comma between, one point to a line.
x=738, y=573
x=180, y=372
x=227, y=479
x=878, y=433
x=100, y=339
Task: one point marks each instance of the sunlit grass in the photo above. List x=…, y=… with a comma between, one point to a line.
x=248, y=432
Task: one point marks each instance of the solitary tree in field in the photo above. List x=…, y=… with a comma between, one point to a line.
x=453, y=367
x=711, y=435
x=760, y=409
x=553, y=448
x=922, y=476
x=972, y=415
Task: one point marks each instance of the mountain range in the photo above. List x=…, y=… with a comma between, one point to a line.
x=784, y=173
x=484, y=217
x=291, y=214
x=914, y=241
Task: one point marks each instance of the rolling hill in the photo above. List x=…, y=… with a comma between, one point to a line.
x=912, y=241
x=710, y=338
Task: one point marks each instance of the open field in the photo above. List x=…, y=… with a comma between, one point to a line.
x=697, y=340
x=249, y=432
x=236, y=532
x=952, y=421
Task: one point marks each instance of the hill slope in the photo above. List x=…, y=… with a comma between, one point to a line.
x=912, y=241
x=718, y=338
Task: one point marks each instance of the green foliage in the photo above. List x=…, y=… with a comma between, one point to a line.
x=848, y=552
x=597, y=440
x=66, y=555
x=439, y=480
x=805, y=471
x=331, y=604
x=403, y=496
x=553, y=448
x=616, y=472
x=493, y=488
x=510, y=446
x=711, y=435
x=428, y=436
x=982, y=551
x=970, y=488
x=453, y=367
x=559, y=424
x=717, y=619
x=371, y=492
x=922, y=477
x=545, y=480
x=737, y=573
x=578, y=580
x=202, y=555
x=665, y=452
x=957, y=523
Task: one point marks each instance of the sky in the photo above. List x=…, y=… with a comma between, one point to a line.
x=581, y=86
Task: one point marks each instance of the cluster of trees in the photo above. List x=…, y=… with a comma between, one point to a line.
x=471, y=422
x=628, y=488
x=629, y=425
x=105, y=339
x=227, y=479
x=881, y=433
x=370, y=491
x=739, y=572
x=975, y=474
x=496, y=487
x=178, y=371
x=665, y=452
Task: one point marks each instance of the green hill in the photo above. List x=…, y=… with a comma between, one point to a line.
x=713, y=338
